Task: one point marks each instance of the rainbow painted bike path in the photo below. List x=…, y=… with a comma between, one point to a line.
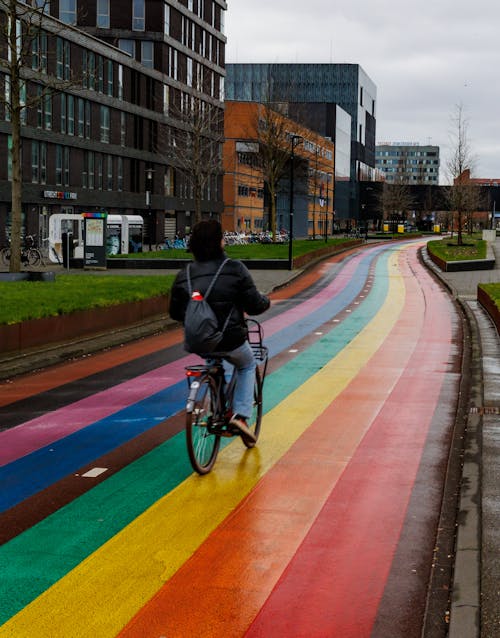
x=325, y=529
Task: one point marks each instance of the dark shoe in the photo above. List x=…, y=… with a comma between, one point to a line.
x=240, y=423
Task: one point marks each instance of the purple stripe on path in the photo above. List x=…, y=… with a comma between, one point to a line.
x=36, y=433
x=310, y=305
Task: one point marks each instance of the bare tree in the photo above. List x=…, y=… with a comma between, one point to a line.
x=395, y=200
x=273, y=135
x=459, y=167
x=191, y=140
x=26, y=50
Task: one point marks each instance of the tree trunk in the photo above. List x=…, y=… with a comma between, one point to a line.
x=15, y=115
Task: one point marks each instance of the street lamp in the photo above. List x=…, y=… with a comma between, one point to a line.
x=149, y=177
x=295, y=140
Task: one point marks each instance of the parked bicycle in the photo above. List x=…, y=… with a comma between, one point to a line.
x=208, y=408
x=30, y=255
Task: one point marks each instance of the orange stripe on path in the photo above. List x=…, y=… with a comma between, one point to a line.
x=225, y=584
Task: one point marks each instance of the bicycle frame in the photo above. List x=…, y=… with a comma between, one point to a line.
x=225, y=389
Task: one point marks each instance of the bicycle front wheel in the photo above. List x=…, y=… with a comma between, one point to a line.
x=255, y=419
x=202, y=443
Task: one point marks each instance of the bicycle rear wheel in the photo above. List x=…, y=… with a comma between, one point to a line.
x=202, y=443
x=5, y=256
x=34, y=257
x=255, y=419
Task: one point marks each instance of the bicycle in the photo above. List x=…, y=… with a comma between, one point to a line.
x=30, y=255
x=208, y=408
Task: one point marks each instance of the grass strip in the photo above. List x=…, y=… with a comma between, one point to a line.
x=23, y=300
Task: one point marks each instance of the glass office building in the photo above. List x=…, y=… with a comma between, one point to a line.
x=329, y=95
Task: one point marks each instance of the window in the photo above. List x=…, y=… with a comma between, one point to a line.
x=64, y=118
x=87, y=119
x=120, y=82
x=166, y=27
x=71, y=114
x=166, y=99
x=147, y=53
x=39, y=53
x=119, y=174
x=103, y=14
x=42, y=4
x=59, y=164
x=109, y=89
x=189, y=76
x=138, y=15
x=89, y=70
x=47, y=107
x=123, y=127
x=105, y=123
x=7, y=97
x=63, y=59
x=109, y=173
x=100, y=74
x=99, y=161
x=67, y=11
x=127, y=46
x=35, y=161
x=81, y=117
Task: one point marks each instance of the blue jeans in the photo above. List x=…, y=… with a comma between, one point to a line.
x=243, y=360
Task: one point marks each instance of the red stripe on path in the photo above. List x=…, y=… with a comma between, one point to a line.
x=334, y=584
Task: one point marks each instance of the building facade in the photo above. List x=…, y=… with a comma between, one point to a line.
x=408, y=163
x=336, y=100
x=117, y=84
x=247, y=202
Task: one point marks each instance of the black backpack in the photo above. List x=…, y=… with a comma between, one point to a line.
x=202, y=334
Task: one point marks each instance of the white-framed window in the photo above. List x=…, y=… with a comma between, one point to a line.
x=109, y=173
x=67, y=11
x=123, y=128
x=120, y=82
x=105, y=124
x=147, y=53
x=109, y=78
x=102, y=20
x=127, y=46
x=166, y=99
x=63, y=59
x=189, y=72
x=166, y=19
x=119, y=174
x=138, y=15
x=71, y=114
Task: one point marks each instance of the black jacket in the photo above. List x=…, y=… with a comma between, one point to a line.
x=234, y=290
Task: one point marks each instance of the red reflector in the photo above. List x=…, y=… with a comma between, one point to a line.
x=193, y=373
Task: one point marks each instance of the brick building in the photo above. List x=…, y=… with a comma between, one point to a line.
x=245, y=195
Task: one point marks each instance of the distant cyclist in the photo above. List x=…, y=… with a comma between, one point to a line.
x=233, y=295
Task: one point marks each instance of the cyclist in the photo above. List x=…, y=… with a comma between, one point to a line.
x=233, y=295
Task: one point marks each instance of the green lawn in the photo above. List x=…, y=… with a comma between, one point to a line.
x=22, y=300
x=247, y=251
x=447, y=249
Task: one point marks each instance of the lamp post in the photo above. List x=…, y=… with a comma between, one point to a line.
x=149, y=177
x=295, y=140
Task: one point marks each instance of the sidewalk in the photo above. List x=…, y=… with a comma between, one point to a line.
x=475, y=606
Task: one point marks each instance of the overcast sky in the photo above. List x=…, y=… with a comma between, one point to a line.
x=425, y=59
